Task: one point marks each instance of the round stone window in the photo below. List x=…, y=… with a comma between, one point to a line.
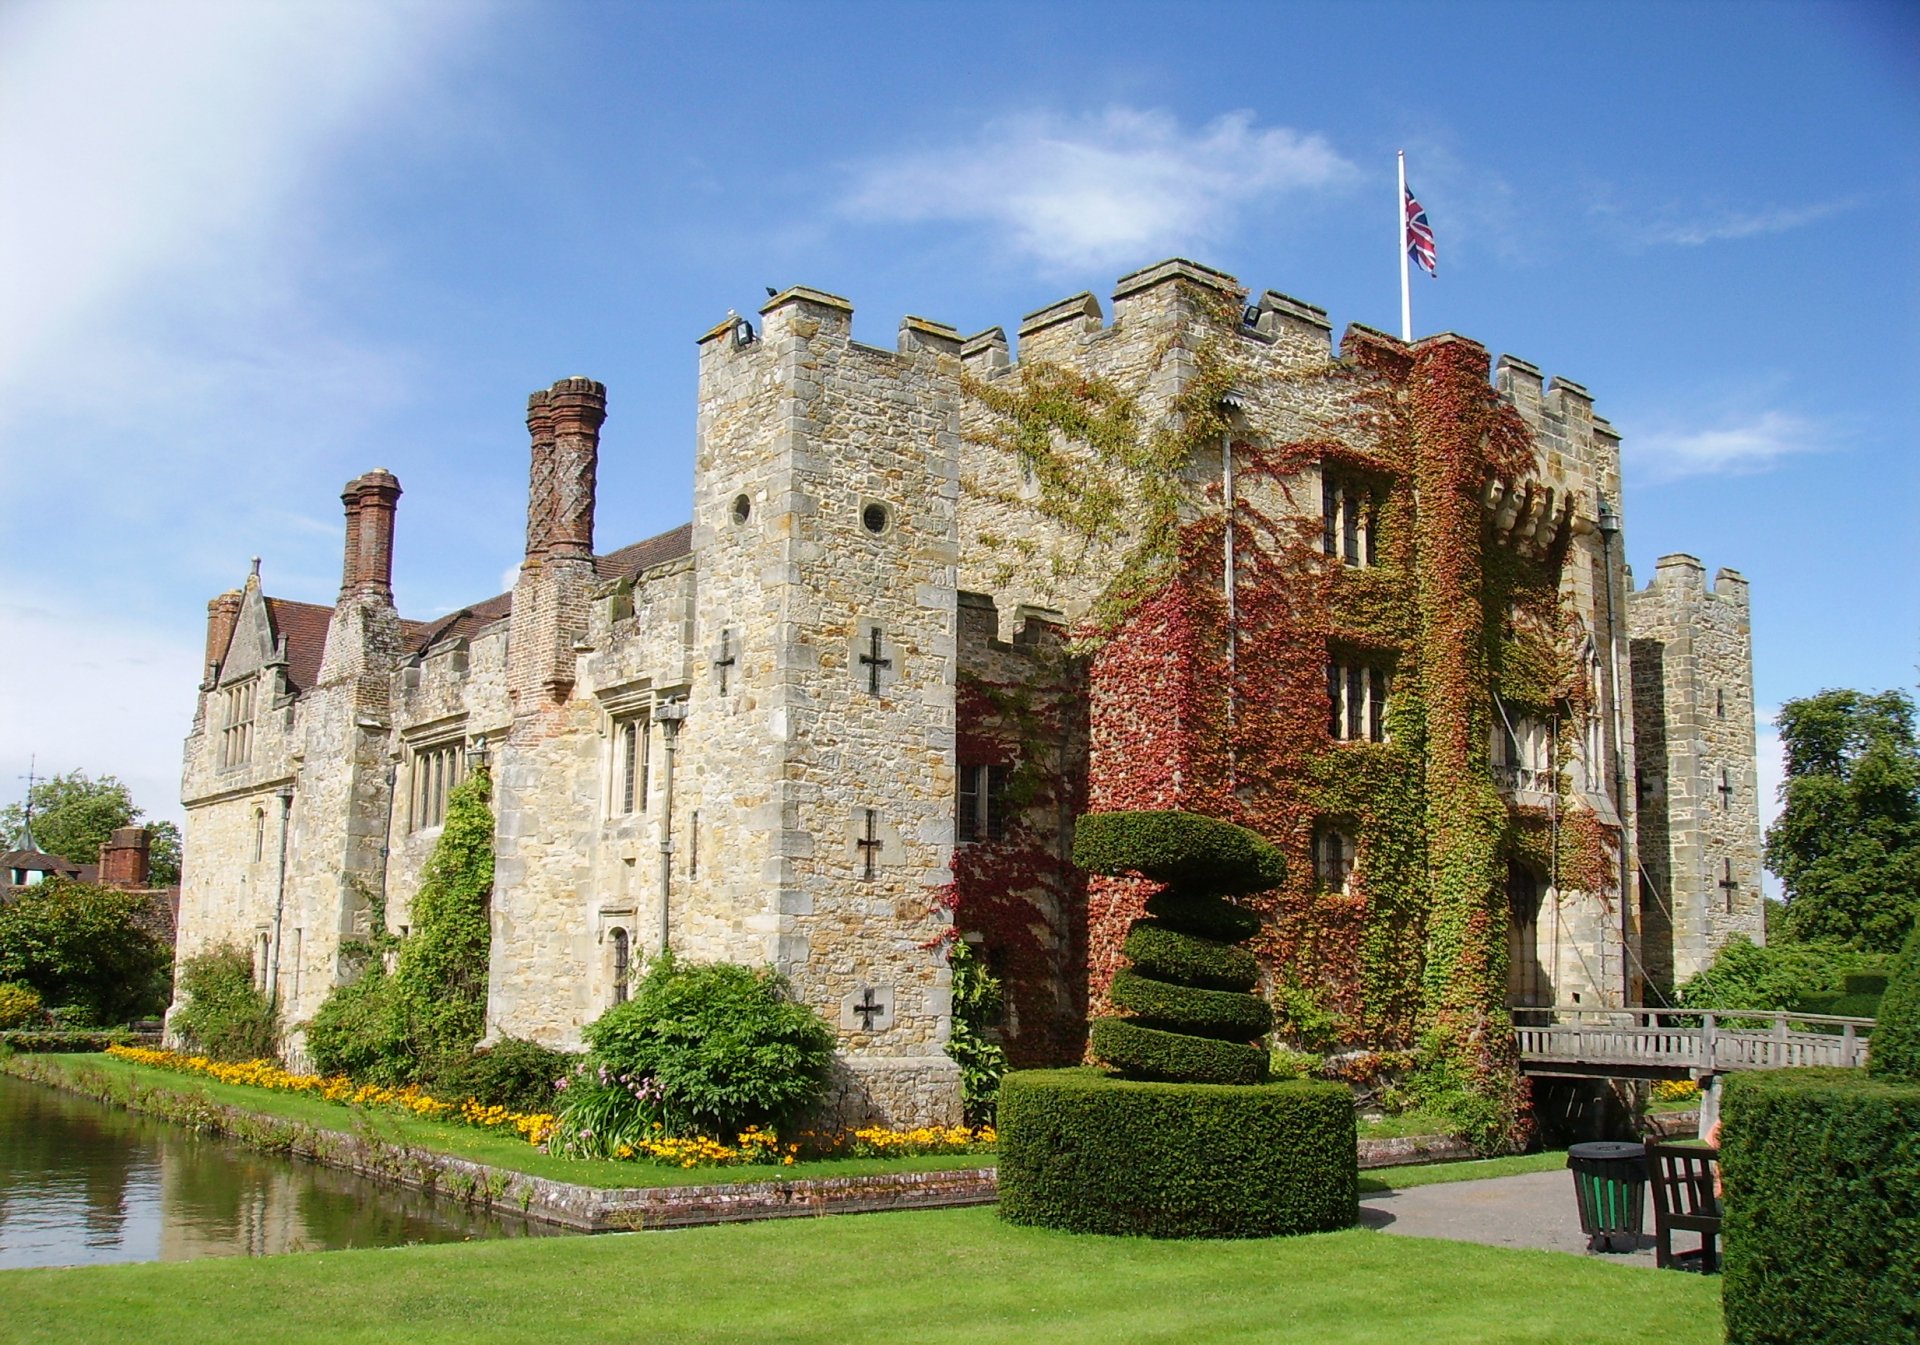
x=875, y=517
x=742, y=509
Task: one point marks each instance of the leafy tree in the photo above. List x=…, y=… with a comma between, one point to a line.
x=1847, y=842
x=86, y=947
x=73, y=815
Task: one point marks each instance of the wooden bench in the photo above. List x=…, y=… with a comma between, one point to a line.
x=1682, y=1178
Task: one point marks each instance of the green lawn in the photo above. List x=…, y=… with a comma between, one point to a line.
x=929, y=1276
x=507, y=1151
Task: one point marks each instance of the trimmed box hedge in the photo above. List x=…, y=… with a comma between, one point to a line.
x=1169, y=1057
x=1230, y=1015
x=1083, y=1151
x=1822, y=1170
x=1169, y=955
x=1183, y=849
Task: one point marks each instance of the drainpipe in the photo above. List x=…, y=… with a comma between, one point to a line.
x=670, y=714
x=1609, y=525
x=279, y=894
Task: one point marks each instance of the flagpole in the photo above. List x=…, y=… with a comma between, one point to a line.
x=1400, y=237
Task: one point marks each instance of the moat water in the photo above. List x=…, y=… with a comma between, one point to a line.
x=82, y=1183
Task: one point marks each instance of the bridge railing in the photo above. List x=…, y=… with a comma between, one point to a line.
x=1703, y=1041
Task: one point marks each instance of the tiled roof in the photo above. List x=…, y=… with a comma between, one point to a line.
x=42, y=862
x=305, y=626
x=629, y=561
x=463, y=624
x=625, y=563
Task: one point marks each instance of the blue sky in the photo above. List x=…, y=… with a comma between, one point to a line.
x=272, y=246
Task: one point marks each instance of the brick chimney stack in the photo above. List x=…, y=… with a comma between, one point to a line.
x=564, y=422
x=125, y=859
x=367, y=568
x=223, y=614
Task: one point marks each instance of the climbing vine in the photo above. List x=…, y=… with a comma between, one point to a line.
x=441, y=973
x=1402, y=969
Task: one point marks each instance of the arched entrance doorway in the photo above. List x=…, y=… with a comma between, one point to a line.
x=1529, y=985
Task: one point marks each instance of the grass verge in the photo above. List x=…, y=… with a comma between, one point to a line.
x=926, y=1276
x=123, y=1082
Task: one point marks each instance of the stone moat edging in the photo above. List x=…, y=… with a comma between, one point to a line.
x=586, y=1209
x=593, y=1209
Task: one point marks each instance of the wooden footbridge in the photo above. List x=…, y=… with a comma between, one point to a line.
x=1681, y=1044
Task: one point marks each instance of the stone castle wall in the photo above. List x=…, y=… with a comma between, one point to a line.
x=841, y=491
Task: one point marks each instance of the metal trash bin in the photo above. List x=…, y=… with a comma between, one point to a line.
x=1610, y=1182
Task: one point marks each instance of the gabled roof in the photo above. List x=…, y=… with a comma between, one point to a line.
x=304, y=625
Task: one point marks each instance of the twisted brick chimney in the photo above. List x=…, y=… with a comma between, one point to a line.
x=550, y=600
x=367, y=568
x=223, y=614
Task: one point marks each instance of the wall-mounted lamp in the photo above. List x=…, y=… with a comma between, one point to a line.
x=1251, y=317
x=478, y=754
x=742, y=334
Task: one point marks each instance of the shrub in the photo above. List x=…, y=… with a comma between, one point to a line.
x=1184, y=850
x=1896, y=1035
x=976, y=1007
x=28, y=1041
x=1082, y=1151
x=84, y=947
x=726, y=1046
x=1159, y=951
x=1778, y=976
x=361, y=1032
x=224, y=1014
x=1822, y=1170
x=1185, y=1027
x=20, y=1007
x=513, y=1073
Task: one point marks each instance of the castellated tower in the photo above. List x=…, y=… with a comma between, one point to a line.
x=1697, y=781
x=822, y=691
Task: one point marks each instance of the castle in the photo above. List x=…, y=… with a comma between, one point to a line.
x=934, y=602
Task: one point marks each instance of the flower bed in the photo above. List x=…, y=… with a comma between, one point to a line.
x=752, y=1146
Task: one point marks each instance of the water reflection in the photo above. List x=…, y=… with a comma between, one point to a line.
x=84, y=1184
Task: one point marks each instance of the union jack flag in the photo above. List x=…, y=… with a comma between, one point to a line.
x=1419, y=235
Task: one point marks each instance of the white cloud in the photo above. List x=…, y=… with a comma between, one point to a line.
x=1672, y=228
x=1099, y=190
x=1750, y=444
x=157, y=139
x=88, y=690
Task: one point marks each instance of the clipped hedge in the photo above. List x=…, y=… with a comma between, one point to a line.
x=1184, y=849
x=1083, y=1151
x=1230, y=1015
x=1204, y=915
x=1822, y=1170
x=1169, y=955
x=1154, y=1054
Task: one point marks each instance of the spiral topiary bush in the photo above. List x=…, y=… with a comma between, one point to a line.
x=1194, y=1017
x=1183, y=1138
